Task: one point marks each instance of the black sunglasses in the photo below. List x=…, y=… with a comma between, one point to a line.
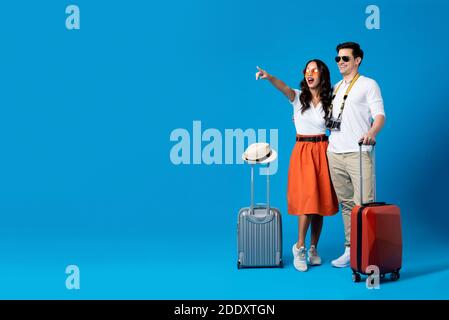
x=345, y=58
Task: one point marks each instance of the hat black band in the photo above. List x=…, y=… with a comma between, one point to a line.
x=263, y=158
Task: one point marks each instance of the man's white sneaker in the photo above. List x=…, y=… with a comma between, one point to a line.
x=313, y=257
x=299, y=258
x=344, y=260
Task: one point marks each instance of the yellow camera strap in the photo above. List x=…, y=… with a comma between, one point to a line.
x=345, y=96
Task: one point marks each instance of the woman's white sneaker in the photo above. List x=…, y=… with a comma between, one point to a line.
x=313, y=258
x=299, y=258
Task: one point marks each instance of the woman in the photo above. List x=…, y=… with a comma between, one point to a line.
x=310, y=193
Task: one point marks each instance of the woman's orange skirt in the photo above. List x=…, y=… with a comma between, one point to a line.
x=310, y=189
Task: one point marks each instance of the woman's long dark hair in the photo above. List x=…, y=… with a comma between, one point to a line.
x=324, y=88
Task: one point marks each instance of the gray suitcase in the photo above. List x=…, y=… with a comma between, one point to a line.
x=259, y=233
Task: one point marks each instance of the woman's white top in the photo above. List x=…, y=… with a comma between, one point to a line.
x=311, y=121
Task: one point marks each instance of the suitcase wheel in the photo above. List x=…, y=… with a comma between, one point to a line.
x=281, y=264
x=394, y=276
x=238, y=264
x=356, y=277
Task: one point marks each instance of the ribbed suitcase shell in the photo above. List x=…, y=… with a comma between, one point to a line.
x=259, y=233
x=259, y=238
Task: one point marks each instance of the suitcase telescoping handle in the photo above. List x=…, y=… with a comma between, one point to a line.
x=373, y=157
x=252, y=189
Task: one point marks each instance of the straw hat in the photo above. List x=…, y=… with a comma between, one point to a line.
x=259, y=153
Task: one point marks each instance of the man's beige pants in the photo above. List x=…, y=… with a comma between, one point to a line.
x=345, y=174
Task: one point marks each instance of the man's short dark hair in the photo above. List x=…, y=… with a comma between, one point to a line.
x=356, y=50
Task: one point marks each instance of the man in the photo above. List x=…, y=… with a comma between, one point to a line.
x=351, y=122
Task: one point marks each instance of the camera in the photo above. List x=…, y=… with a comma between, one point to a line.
x=333, y=124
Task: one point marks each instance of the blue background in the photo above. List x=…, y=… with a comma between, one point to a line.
x=85, y=121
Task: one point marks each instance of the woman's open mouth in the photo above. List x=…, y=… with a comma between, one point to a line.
x=310, y=80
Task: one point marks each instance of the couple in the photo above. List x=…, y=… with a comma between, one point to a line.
x=324, y=173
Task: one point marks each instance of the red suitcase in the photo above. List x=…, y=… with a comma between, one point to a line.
x=376, y=237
